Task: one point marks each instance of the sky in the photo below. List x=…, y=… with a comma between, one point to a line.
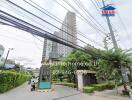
x=28, y=49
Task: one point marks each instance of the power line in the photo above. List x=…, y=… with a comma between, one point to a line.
x=84, y=19
x=36, y=43
x=124, y=27
x=38, y=31
x=98, y=5
x=111, y=30
x=44, y=20
x=88, y=14
x=16, y=39
x=109, y=25
x=37, y=38
x=80, y=33
x=29, y=18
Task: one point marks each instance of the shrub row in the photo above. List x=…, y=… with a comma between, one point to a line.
x=9, y=80
x=98, y=87
x=103, y=86
x=88, y=89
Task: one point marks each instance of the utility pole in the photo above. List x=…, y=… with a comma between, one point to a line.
x=7, y=56
x=111, y=31
x=123, y=70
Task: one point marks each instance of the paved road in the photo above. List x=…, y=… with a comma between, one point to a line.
x=60, y=93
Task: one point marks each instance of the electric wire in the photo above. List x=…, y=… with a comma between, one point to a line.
x=44, y=20
x=84, y=19
x=84, y=9
x=96, y=27
x=58, y=20
x=124, y=27
x=36, y=42
x=16, y=39
x=21, y=25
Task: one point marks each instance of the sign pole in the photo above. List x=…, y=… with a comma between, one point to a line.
x=111, y=31
x=115, y=46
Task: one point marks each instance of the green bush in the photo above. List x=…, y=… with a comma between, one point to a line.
x=103, y=86
x=9, y=80
x=100, y=87
x=88, y=89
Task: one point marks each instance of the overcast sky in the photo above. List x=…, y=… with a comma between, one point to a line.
x=28, y=49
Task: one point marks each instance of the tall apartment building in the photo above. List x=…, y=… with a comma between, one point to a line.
x=54, y=53
x=68, y=33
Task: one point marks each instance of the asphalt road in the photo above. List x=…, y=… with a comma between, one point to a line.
x=61, y=93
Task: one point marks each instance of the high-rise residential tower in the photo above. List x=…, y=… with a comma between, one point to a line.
x=68, y=33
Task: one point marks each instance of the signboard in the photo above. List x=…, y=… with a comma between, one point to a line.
x=108, y=10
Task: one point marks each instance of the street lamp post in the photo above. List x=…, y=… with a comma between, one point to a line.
x=7, y=56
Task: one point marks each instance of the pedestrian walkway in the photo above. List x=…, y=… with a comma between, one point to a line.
x=61, y=93
x=112, y=94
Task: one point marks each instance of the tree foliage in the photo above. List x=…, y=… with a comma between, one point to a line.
x=110, y=67
x=108, y=63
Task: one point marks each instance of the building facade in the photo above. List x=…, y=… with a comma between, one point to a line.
x=47, y=49
x=67, y=33
x=54, y=53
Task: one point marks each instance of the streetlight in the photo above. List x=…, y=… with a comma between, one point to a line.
x=7, y=56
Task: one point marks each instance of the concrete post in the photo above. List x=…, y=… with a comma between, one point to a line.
x=80, y=81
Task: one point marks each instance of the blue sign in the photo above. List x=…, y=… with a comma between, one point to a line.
x=108, y=10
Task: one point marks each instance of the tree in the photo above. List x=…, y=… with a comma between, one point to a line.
x=109, y=68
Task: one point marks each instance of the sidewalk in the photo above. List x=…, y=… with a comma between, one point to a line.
x=112, y=94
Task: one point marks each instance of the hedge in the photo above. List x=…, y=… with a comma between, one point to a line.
x=103, y=86
x=98, y=87
x=9, y=80
x=88, y=89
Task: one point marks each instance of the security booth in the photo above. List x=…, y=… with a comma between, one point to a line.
x=85, y=77
x=44, y=77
